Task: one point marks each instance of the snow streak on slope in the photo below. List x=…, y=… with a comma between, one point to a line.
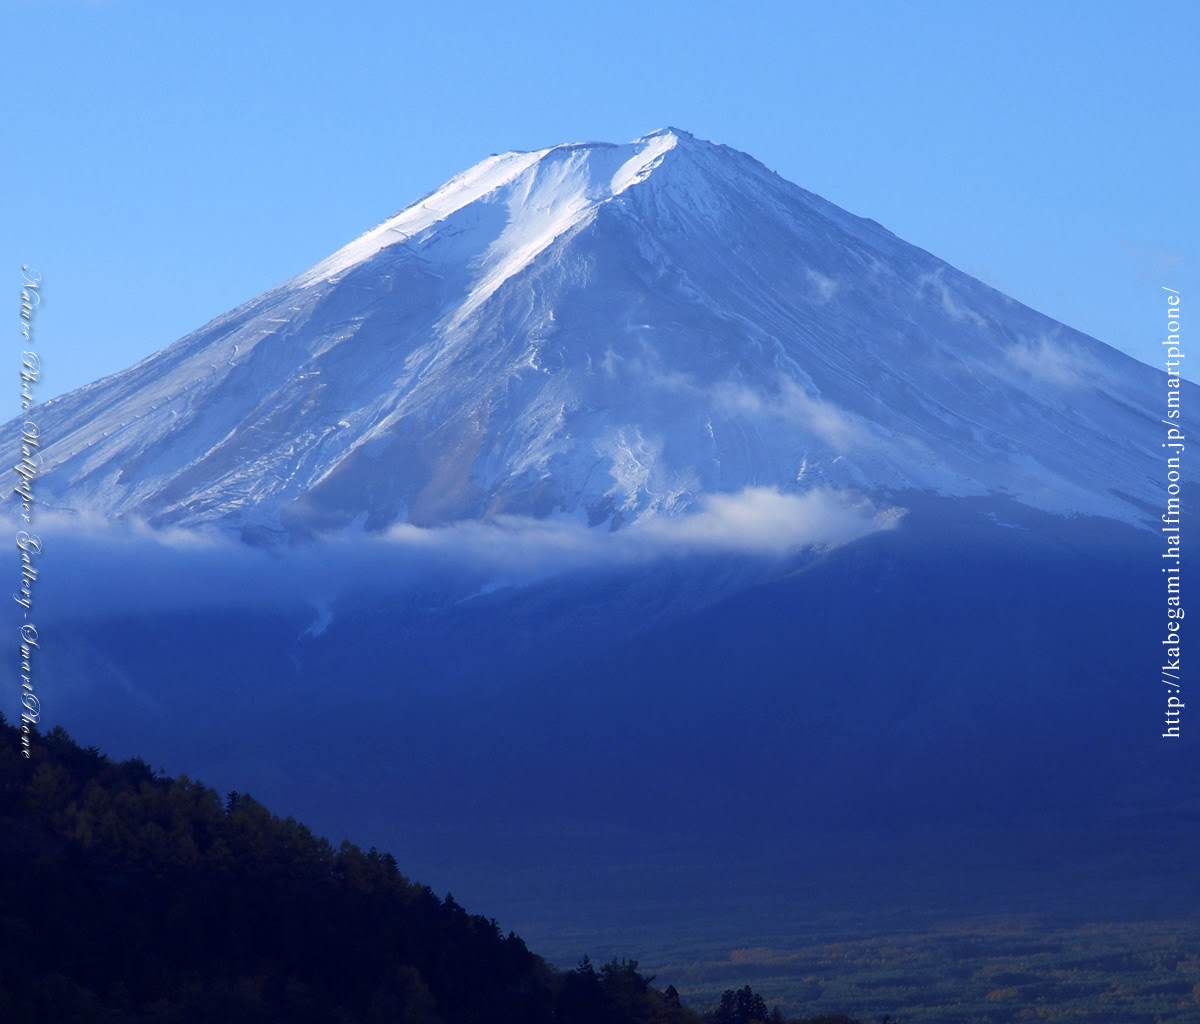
x=607, y=332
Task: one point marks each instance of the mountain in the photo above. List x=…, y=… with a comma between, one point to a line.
x=638, y=349
x=605, y=332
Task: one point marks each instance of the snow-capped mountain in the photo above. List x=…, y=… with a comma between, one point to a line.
x=613, y=333
x=606, y=331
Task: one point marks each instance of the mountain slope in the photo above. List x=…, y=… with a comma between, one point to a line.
x=172, y=904
x=605, y=332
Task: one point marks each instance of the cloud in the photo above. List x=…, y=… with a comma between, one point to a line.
x=648, y=368
x=952, y=308
x=761, y=520
x=790, y=402
x=824, y=288
x=1060, y=365
x=795, y=406
x=93, y=567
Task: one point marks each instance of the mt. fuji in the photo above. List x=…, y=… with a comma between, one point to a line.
x=510, y=642
x=606, y=332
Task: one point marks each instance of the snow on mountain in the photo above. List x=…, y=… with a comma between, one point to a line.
x=607, y=332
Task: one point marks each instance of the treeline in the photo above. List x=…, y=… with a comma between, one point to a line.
x=131, y=898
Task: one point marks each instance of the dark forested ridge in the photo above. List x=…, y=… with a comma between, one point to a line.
x=128, y=896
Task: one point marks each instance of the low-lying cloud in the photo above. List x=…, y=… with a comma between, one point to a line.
x=92, y=568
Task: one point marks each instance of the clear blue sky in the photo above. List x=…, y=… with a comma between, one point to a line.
x=167, y=161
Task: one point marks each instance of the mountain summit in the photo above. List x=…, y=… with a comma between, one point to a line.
x=606, y=331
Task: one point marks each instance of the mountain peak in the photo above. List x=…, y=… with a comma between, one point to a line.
x=678, y=133
x=558, y=186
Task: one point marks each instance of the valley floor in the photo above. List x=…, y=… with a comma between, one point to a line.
x=987, y=970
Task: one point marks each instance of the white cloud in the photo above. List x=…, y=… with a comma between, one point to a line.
x=951, y=306
x=1056, y=364
x=790, y=403
x=761, y=520
x=824, y=288
x=88, y=566
x=795, y=406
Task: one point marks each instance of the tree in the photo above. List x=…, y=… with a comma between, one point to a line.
x=582, y=999
x=740, y=1007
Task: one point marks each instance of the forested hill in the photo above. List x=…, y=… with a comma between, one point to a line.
x=132, y=897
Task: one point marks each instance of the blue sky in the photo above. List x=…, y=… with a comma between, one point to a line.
x=166, y=162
